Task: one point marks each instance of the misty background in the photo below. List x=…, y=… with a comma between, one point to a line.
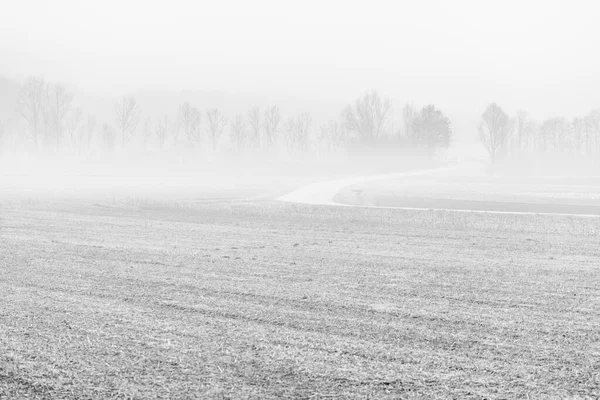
x=537, y=60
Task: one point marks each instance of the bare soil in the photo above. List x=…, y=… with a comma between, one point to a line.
x=262, y=299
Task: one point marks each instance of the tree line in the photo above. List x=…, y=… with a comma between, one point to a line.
x=50, y=122
x=521, y=136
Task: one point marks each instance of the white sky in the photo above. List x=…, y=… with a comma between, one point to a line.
x=539, y=55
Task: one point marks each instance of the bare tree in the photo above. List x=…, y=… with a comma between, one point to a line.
x=296, y=132
x=271, y=124
x=32, y=97
x=162, y=130
x=289, y=129
x=554, y=134
x=238, y=127
x=109, y=138
x=2, y=134
x=494, y=130
x=175, y=128
x=191, y=120
x=254, y=119
x=147, y=131
x=127, y=116
x=59, y=101
x=367, y=117
x=89, y=131
x=408, y=116
x=333, y=133
x=215, y=123
x=592, y=121
x=72, y=126
x=302, y=131
x=521, y=126
x=431, y=129
x=579, y=134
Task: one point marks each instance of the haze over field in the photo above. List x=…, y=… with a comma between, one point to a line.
x=270, y=199
x=317, y=56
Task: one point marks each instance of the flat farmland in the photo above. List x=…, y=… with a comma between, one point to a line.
x=263, y=299
x=553, y=195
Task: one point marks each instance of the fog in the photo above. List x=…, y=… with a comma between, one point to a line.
x=314, y=199
x=309, y=72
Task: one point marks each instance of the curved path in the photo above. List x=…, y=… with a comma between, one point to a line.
x=323, y=193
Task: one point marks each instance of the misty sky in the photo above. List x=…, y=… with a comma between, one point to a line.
x=539, y=55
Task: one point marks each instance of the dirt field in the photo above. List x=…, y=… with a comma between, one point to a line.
x=272, y=300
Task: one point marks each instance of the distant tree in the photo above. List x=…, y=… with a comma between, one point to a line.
x=162, y=130
x=432, y=130
x=333, y=134
x=579, y=135
x=89, y=131
x=289, y=129
x=296, y=133
x=521, y=128
x=238, y=126
x=592, y=121
x=175, y=128
x=254, y=120
x=494, y=130
x=408, y=116
x=303, y=127
x=2, y=134
x=59, y=101
x=109, y=138
x=564, y=135
x=127, y=117
x=147, y=131
x=191, y=121
x=31, y=103
x=72, y=128
x=367, y=117
x=215, y=124
x=271, y=125
x=554, y=134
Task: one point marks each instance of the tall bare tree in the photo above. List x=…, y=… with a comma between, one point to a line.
x=303, y=127
x=59, y=101
x=520, y=132
x=494, y=130
x=191, y=121
x=333, y=134
x=175, y=128
x=592, y=121
x=215, y=124
x=31, y=103
x=408, y=116
x=297, y=133
x=254, y=119
x=127, y=117
x=162, y=130
x=238, y=129
x=109, y=138
x=367, y=117
x=147, y=131
x=2, y=134
x=271, y=125
x=289, y=134
x=72, y=126
x=89, y=131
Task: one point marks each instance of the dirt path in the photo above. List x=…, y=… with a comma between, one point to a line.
x=325, y=193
